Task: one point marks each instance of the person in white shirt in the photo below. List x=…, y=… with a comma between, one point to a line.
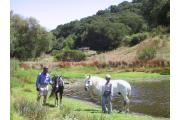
x=107, y=96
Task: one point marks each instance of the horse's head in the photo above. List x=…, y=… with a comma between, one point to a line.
x=88, y=82
x=57, y=81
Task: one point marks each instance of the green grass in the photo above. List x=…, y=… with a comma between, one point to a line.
x=80, y=72
x=136, y=75
x=72, y=108
x=23, y=96
x=29, y=75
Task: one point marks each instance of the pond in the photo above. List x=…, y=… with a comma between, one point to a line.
x=151, y=97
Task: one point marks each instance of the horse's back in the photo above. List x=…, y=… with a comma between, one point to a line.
x=121, y=82
x=122, y=86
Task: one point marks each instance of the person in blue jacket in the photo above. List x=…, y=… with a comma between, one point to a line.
x=43, y=79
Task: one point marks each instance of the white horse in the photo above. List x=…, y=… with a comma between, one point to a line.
x=95, y=86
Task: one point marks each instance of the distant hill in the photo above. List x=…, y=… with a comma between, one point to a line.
x=107, y=29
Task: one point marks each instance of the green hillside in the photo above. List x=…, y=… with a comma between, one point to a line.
x=126, y=24
x=109, y=28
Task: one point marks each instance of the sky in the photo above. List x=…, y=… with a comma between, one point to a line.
x=51, y=13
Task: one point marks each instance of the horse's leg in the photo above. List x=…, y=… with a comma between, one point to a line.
x=126, y=104
x=128, y=97
x=56, y=99
x=126, y=101
x=121, y=108
x=60, y=96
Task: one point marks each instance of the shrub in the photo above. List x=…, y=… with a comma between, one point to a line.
x=55, y=52
x=147, y=54
x=160, y=30
x=14, y=65
x=71, y=55
x=29, y=109
x=137, y=38
x=126, y=40
x=134, y=41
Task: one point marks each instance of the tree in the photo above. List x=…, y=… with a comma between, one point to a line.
x=105, y=30
x=156, y=11
x=134, y=21
x=68, y=43
x=105, y=36
x=28, y=39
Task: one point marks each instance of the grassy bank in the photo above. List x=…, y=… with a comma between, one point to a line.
x=23, y=106
x=21, y=77
x=81, y=71
x=23, y=96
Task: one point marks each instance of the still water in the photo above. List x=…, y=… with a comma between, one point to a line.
x=148, y=97
x=151, y=98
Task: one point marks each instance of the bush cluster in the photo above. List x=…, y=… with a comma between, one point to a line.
x=70, y=55
x=14, y=64
x=29, y=109
x=147, y=54
x=134, y=39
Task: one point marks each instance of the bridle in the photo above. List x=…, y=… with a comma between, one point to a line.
x=59, y=81
x=87, y=86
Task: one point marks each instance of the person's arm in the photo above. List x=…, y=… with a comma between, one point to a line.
x=37, y=82
x=50, y=80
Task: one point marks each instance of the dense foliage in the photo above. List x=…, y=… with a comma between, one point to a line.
x=70, y=55
x=124, y=24
x=156, y=12
x=108, y=28
x=28, y=39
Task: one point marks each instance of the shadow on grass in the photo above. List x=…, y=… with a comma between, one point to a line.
x=90, y=110
x=50, y=105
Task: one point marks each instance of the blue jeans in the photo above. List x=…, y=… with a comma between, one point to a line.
x=107, y=103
